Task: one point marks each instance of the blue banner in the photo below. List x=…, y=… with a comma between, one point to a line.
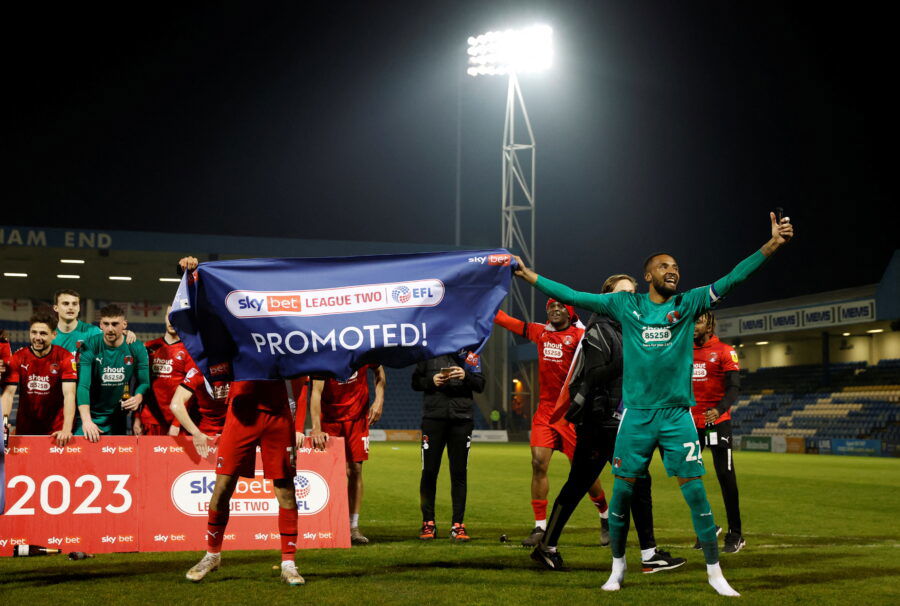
x=280, y=318
x=869, y=448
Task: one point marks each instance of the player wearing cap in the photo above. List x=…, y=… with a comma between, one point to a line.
x=717, y=382
x=45, y=376
x=556, y=341
x=341, y=409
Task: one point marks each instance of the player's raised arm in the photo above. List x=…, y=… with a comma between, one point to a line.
x=782, y=233
x=562, y=293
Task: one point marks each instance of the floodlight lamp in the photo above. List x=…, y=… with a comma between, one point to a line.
x=511, y=51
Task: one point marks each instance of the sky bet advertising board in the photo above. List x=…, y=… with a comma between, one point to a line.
x=152, y=494
x=280, y=318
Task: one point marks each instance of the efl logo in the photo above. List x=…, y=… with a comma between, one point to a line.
x=312, y=492
x=401, y=294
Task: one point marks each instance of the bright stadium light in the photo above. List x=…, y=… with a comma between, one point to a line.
x=13, y=274
x=170, y=279
x=513, y=51
x=510, y=53
x=124, y=278
x=76, y=261
x=68, y=276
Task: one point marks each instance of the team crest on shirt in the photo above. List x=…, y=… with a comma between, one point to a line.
x=673, y=316
x=179, y=355
x=54, y=369
x=713, y=357
x=568, y=340
x=617, y=462
x=129, y=360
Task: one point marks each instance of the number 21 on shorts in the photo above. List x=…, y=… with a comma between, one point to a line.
x=694, y=453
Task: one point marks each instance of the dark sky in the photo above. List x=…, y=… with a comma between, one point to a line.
x=663, y=126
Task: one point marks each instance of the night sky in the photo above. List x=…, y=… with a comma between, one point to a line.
x=669, y=126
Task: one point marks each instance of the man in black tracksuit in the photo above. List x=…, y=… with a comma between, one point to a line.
x=448, y=382
x=596, y=393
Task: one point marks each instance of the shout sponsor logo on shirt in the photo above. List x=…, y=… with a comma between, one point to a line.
x=328, y=301
x=699, y=370
x=38, y=383
x=113, y=374
x=161, y=367
x=553, y=350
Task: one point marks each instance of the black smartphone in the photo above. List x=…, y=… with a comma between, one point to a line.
x=779, y=214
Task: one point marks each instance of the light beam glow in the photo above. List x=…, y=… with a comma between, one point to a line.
x=526, y=50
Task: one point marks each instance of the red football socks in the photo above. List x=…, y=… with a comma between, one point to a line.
x=540, y=509
x=215, y=530
x=600, y=502
x=287, y=526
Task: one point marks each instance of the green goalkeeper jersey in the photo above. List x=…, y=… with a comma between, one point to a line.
x=658, y=338
x=103, y=372
x=72, y=341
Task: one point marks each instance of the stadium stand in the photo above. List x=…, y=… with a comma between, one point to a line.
x=852, y=401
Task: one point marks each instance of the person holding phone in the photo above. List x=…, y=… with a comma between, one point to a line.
x=448, y=383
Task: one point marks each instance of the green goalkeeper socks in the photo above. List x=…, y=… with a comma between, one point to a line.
x=695, y=494
x=619, y=506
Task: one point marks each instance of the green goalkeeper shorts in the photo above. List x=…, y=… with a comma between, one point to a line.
x=643, y=429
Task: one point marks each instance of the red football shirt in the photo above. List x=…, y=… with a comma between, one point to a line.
x=169, y=363
x=346, y=400
x=268, y=396
x=209, y=410
x=711, y=361
x=39, y=381
x=6, y=356
x=556, y=348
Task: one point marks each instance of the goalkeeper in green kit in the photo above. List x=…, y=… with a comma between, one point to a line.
x=658, y=339
x=106, y=367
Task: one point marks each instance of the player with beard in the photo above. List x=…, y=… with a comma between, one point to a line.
x=657, y=332
x=258, y=414
x=72, y=333
x=106, y=367
x=556, y=341
x=717, y=382
x=46, y=376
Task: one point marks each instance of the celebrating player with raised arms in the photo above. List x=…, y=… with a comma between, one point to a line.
x=556, y=341
x=657, y=332
x=45, y=376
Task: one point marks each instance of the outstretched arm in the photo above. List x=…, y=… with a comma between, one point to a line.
x=782, y=232
x=564, y=294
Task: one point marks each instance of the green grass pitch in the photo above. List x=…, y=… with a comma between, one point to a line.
x=819, y=530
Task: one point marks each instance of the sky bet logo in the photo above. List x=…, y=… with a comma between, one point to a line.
x=288, y=303
x=501, y=260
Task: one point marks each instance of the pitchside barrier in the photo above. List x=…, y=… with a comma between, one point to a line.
x=129, y=493
x=835, y=446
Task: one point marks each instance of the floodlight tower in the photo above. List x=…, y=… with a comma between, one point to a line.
x=509, y=53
